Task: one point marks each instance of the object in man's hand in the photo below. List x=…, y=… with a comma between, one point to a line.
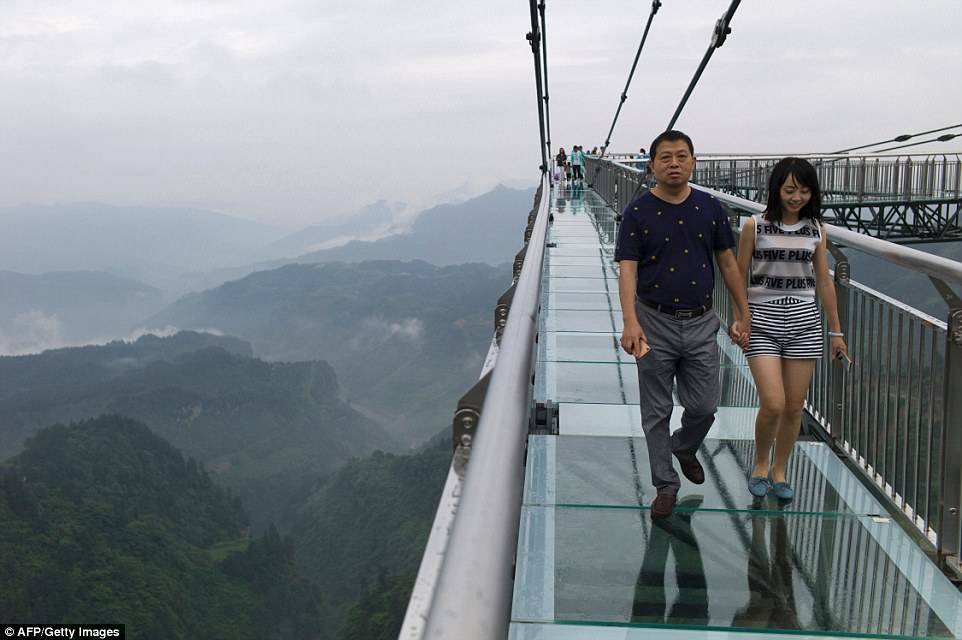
x=643, y=349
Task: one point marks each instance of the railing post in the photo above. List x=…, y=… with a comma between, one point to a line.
x=949, y=528
x=843, y=276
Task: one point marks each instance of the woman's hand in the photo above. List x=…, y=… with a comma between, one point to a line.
x=839, y=350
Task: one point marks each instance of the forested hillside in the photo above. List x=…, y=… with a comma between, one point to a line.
x=362, y=534
x=103, y=521
x=269, y=431
x=405, y=338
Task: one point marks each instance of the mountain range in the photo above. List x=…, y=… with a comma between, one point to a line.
x=405, y=338
x=264, y=430
x=488, y=229
x=151, y=244
x=77, y=274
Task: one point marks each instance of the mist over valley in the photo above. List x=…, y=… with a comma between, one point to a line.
x=315, y=387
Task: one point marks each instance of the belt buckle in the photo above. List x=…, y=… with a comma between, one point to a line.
x=684, y=314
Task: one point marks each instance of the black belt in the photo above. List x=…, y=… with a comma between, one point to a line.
x=678, y=314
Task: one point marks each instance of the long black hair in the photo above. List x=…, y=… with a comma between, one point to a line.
x=805, y=175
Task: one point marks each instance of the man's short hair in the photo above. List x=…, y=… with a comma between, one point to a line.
x=670, y=136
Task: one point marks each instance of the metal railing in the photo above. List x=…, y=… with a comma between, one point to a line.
x=466, y=588
x=842, y=177
x=897, y=412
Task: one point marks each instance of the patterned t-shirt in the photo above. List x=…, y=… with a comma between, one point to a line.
x=674, y=246
x=782, y=260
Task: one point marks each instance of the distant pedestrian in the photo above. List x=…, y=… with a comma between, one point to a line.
x=577, y=163
x=561, y=162
x=642, y=159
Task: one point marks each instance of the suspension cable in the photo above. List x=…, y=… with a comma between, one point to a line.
x=655, y=5
x=943, y=138
x=722, y=29
x=544, y=65
x=534, y=37
x=904, y=137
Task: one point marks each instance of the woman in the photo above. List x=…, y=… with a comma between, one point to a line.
x=784, y=250
x=561, y=161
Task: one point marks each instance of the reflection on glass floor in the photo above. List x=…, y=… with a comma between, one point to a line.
x=593, y=565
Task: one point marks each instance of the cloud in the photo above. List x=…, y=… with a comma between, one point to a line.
x=163, y=332
x=31, y=332
x=377, y=331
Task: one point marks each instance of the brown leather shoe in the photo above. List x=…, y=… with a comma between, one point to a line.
x=663, y=505
x=692, y=470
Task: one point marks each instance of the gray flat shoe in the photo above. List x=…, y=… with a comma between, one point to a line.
x=758, y=486
x=783, y=491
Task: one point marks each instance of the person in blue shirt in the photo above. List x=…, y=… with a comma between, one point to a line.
x=642, y=159
x=669, y=241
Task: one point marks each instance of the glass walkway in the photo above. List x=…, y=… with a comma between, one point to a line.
x=591, y=563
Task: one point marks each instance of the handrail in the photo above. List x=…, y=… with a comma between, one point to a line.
x=932, y=265
x=815, y=156
x=473, y=596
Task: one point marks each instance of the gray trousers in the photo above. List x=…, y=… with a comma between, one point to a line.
x=682, y=351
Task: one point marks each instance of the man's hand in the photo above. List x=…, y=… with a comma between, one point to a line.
x=633, y=339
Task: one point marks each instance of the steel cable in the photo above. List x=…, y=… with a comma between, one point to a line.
x=655, y=5
x=722, y=29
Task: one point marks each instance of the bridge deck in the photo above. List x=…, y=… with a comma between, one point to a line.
x=592, y=564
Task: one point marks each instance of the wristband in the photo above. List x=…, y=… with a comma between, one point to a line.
x=836, y=334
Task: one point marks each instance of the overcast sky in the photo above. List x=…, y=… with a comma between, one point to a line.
x=297, y=111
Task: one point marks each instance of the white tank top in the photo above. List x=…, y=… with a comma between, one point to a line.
x=782, y=260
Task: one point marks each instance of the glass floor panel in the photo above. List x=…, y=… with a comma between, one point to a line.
x=587, y=320
x=582, y=235
x=574, y=250
x=610, y=382
x=571, y=261
x=732, y=423
x=597, y=285
x=613, y=472
x=583, y=347
x=589, y=382
x=698, y=570
x=575, y=300
x=815, y=573
x=597, y=270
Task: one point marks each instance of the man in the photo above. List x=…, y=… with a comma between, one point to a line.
x=577, y=163
x=666, y=243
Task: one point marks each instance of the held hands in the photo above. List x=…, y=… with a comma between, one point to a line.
x=739, y=332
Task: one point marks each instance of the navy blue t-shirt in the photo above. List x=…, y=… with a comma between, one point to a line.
x=674, y=245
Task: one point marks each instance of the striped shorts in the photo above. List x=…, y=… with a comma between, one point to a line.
x=785, y=328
